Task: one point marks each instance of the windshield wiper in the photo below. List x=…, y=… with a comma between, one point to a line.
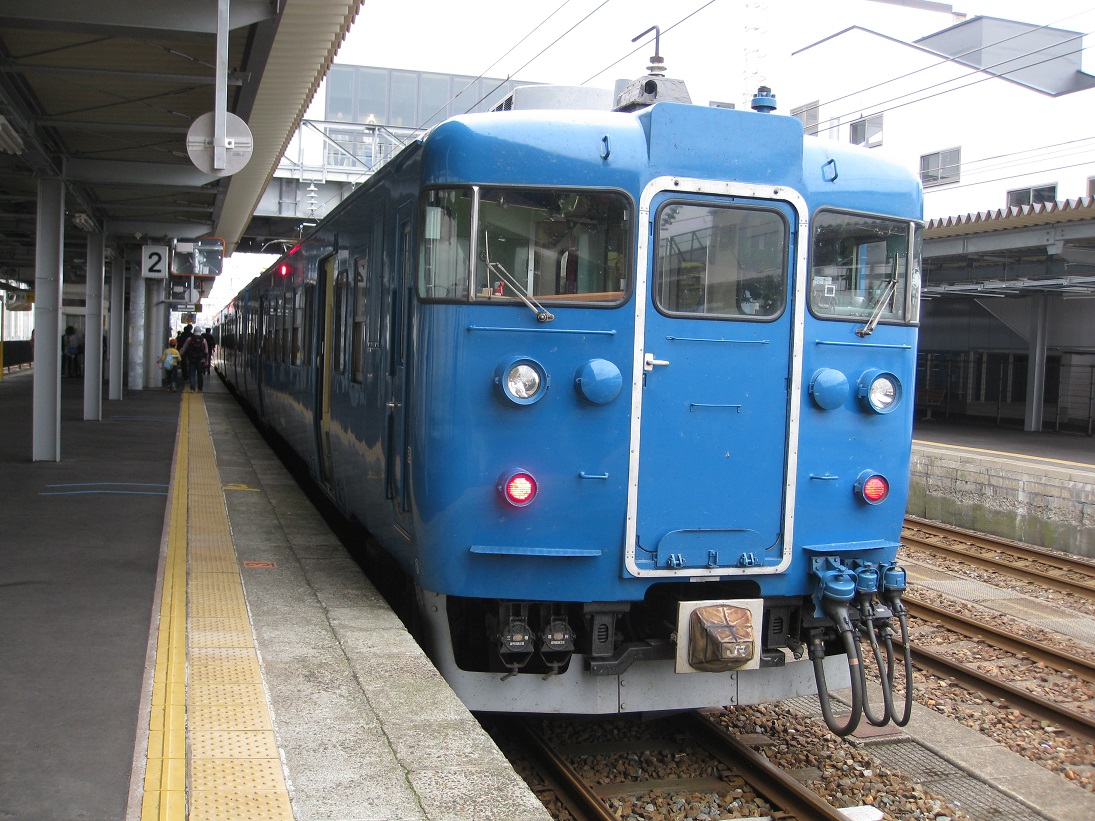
x=887, y=295
x=542, y=314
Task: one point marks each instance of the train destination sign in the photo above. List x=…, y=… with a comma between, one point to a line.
x=200, y=257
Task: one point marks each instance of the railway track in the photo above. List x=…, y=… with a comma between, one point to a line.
x=998, y=637
x=1026, y=702
x=1068, y=574
x=736, y=769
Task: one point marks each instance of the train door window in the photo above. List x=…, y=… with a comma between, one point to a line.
x=268, y=323
x=277, y=324
x=445, y=250
x=309, y=324
x=861, y=266
x=298, y=327
x=285, y=308
x=406, y=252
x=720, y=261
x=361, y=304
x=375, y=273
x=338, y=337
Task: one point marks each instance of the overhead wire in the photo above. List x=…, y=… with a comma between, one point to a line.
x=955, y=58
x=483, y=73
x=986, y=70
x=647, y=42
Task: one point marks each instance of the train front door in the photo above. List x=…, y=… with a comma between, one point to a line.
x=714, y=419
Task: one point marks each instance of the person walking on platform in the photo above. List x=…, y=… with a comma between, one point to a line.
x=210, y=345
x=170, y=359
x=184, y=334
x=70, y=348
x=195, y=354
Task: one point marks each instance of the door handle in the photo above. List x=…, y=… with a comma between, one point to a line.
x=649, y=362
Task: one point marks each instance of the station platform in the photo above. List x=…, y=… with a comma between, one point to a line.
x=274, y=683
x=1032, y=487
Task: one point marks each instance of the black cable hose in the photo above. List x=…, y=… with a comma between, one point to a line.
x=883, y=671
x=907, y=653
x=855, y=669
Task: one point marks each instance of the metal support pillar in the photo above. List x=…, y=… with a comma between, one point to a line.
x=116, y=353
x=1036, y=363
x=135, y=326
x=155, y=339
x=93, y=330
x=48, y=282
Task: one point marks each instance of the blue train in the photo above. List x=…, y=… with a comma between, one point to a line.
x=627, y=394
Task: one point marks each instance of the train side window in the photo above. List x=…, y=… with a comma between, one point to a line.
x=553, y=244
x=720, y=261
x=361, y=286
x=444, y=253
x=338, y=336
x=861, y=265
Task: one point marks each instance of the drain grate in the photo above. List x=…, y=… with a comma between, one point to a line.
x=980, y=801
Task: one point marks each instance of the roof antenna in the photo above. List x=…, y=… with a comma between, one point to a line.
x=655, y=87
x=657, y=64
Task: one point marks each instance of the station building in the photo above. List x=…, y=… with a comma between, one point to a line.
x=995, y=116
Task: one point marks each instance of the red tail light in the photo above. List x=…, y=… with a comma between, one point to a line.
x=872, y=487
x=518, y=488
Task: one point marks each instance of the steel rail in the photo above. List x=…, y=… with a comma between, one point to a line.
x=1004, y=639
x=579, y=796
x=1028, y=703
x=1085, y=589
x=772, y=782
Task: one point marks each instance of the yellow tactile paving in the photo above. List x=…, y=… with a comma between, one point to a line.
x=212, y=753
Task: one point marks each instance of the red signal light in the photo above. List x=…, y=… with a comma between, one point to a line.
x=283, y=269
x=518, y=488
x=873, y=487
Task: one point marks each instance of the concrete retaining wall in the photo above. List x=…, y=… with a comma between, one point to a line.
x=1033, y=502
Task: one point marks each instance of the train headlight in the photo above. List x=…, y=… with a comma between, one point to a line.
x=879, y=391
x=521, y=381
x=518, y=487
x=871, y=487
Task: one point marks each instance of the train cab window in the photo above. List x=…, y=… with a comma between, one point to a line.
x=548, y=244
x=864, y=268
x=720, y=261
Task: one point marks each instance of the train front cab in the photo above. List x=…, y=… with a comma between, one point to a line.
x=736, y=358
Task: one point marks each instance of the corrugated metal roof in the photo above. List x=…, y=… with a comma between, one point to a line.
x=1004, y=219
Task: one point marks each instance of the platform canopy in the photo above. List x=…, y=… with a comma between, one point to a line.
x=102, y=95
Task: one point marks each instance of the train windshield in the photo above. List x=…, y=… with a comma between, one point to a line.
x=721, y=261
x=864, y=269
x=548, y=244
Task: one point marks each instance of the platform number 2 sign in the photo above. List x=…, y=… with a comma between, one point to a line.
x=154, y=261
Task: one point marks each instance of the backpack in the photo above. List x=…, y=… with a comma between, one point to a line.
x=195, y=351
